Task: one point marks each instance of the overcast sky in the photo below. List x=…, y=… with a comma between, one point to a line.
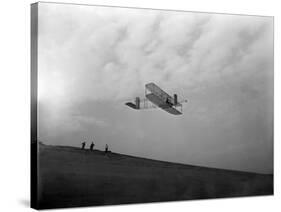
x=92, y=60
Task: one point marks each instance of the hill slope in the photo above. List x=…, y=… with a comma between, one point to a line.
x=70, y=177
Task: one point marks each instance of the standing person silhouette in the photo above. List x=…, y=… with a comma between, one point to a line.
x=92, y=146
x=83, y=145
x=106, y=148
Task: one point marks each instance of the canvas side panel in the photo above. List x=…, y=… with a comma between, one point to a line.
x=33, y=134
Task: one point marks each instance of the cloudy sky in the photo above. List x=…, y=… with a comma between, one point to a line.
x=92, y=60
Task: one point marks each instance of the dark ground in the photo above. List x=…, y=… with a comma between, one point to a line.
x=70, y=177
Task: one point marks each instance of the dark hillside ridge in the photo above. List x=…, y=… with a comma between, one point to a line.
x=71, y=177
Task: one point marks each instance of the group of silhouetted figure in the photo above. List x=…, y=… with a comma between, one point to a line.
x=92, y=145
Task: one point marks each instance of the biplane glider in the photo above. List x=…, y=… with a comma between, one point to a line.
x=155, y=97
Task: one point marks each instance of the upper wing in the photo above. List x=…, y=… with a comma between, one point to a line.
x=162, y=104
x=153, y=88
x=157, y=91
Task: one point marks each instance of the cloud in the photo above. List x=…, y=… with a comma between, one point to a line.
x=103, y=48
x=93, y=59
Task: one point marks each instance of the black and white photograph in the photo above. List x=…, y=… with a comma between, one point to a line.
x=134, y=105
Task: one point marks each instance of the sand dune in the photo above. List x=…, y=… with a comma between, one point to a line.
x=70, y=177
